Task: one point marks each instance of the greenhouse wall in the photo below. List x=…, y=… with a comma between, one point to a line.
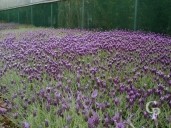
x=146, y=15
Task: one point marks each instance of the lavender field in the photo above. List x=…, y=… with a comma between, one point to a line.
x=66, y=78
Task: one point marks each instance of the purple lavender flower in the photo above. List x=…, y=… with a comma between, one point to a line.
x=26, y=125
x=116, y=101
x=120, y=125
x=94, y=94
x=93, y=121
x=3, y=110
x=68, y=119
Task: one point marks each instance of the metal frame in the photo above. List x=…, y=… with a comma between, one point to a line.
x=26, y=5
x=135, y=14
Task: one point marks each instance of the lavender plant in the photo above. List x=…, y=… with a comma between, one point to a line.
x=75, y=78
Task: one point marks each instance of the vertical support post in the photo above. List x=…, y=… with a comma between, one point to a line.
x=82, y=19
x=18, y=16
x=135, y=15
x=51, y=7
x=8, y=17
x=69, y=19
x=31, y=14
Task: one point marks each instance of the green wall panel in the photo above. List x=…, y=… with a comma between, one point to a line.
x=41, y=15
x=25, y=15
x=13, y=15
x=152, y=15
x=4, y=16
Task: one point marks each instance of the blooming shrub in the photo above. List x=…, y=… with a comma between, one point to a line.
x=73, y=78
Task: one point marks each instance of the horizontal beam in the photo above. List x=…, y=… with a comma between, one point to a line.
x=34, y=3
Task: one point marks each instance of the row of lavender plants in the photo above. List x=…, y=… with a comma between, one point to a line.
x=73, y=78
x=8, y=26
